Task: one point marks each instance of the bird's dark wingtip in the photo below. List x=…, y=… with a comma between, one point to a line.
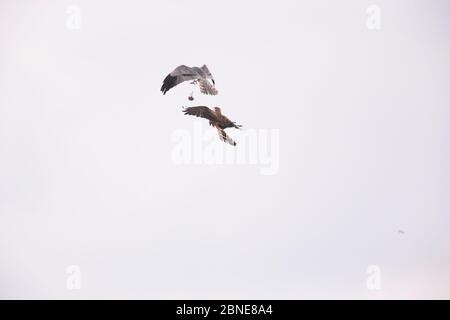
x=168, y=83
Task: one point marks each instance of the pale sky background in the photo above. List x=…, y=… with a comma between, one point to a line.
x=86, y=176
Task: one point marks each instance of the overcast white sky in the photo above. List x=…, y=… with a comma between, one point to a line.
x=87, y=179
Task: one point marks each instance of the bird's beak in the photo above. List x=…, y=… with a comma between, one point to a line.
x=214, y=83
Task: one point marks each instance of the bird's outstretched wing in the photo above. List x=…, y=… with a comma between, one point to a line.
x=224, y=137
x=180, y=74
x=201, y=111
x=207, y=88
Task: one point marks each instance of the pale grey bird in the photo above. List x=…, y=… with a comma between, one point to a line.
x=216, y=119
x=199, y=76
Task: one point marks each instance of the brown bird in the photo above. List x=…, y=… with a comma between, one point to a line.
x=216, y=119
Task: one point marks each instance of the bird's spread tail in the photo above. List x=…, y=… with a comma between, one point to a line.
x=224, y=137
x=207, y=88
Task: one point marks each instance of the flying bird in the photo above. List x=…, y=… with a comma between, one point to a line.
x=216, y=119
x=198, y=76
